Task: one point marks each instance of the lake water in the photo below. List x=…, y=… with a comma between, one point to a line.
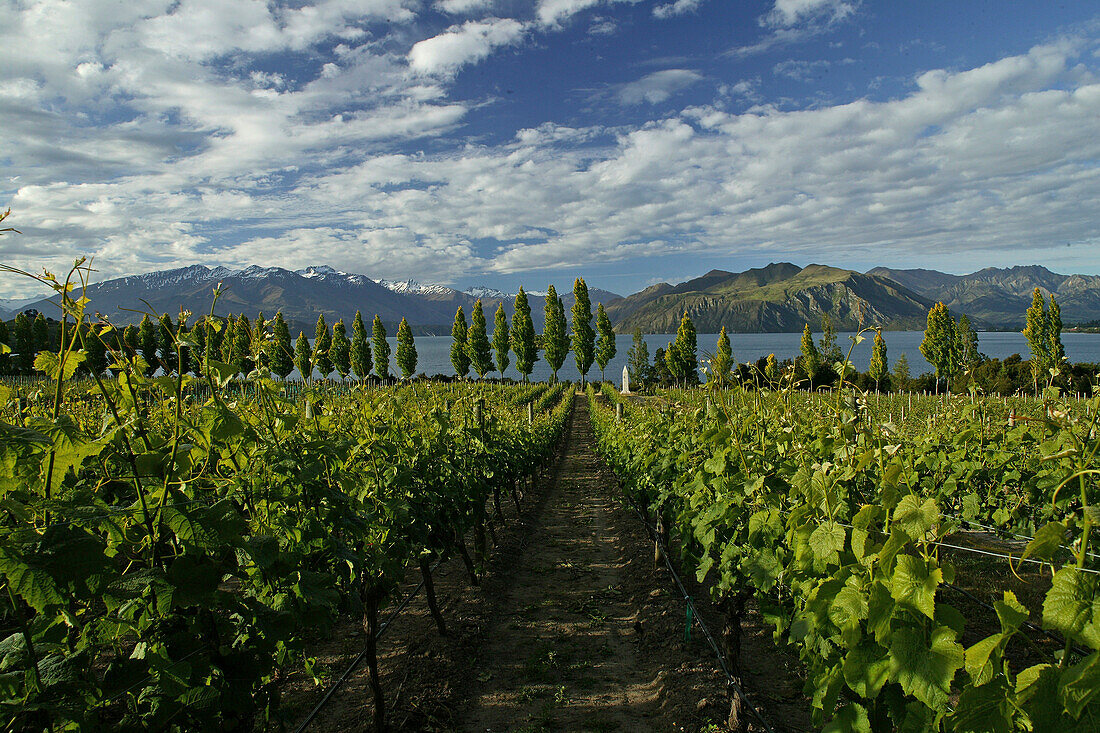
x=434, y=352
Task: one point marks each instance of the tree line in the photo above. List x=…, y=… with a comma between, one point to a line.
x=949, y=345
x=471, y=348
x=175, y=346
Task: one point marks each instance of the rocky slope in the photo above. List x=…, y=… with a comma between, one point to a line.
x=1000, y=297
x=778, y=298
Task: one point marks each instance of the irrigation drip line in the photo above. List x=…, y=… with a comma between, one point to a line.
x=359, y=657
x=694, y=611
x=1050, y=635
x=1005, y=531
x=1005, y=557
x=976, y=551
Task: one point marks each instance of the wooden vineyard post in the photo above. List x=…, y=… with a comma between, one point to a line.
x=733, y=609
x=515, y=495
x=429, y=590
x=373, y=598
x=460, y=545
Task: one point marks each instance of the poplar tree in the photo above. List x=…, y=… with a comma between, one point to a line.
x=555, y=341
x=261, y=346
x=341, y=349
x=1054, y=333
x=584, y=337
x=681, y=354
x=225, y=343
x=380, y=348
x=406, y=350
x=661, y=372
x=940, y=344
x=282, y=350
x=95, y=352
x=477, y=342
x=130, y=340
x=637, y=359
x=360, y=348
x=322, y=345
x=41, y=331
x=1038, y=336
x=23, y=338
x=523, y=336
x=811, y=359
x=901, y=372
x=198, y=337
x=216, y=335
x=242, y=344
x=147, y=344
x=165, y=345
x=501, y=339
x=303, y=357
x=183, y=352
x=771, y=369
x=722, y=364
x=605, y=345
x=878, y=368
x=672, y=364
x=967, y=344
x=460, y=358
x=829, y=350
x=1044, y=337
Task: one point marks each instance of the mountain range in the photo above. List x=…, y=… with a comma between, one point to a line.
x=781, y=297
x=998, y=298
x=301, y=295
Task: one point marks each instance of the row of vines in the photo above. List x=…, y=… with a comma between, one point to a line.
x=834, y=523
x=168, y=545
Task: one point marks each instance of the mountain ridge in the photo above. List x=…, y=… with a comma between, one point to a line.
x=781, y=297
x=999, y=297
x=301, y=295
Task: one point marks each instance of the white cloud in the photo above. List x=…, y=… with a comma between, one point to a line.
x=150, y=157
x=555, y=12
x=680, y=7
x=658, y=86
x=460, y=45
x=796, y=21
x=786, y=13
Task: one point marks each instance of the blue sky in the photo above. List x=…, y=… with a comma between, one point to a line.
x=508, y=142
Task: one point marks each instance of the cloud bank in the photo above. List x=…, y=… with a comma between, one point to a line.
x=126, y=141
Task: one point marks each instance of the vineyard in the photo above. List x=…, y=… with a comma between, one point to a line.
x=175, y=549
x=170, y=543
x=851, y=537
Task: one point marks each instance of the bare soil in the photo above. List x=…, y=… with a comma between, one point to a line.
x=572, y=628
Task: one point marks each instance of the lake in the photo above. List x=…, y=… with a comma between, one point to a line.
x=434, y=352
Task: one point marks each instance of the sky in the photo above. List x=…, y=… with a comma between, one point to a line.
x=508, y=142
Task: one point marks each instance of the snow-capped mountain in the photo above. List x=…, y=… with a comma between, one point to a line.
x=318, y=271
x=415, y=288
x=484, y=293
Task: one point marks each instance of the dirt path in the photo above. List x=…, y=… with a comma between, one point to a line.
x=564, y=653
